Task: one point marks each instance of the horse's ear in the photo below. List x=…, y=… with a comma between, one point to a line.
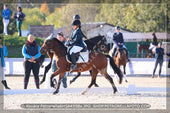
x=50, y=36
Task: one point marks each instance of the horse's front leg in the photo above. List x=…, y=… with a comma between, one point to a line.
x=59, y=82
x=47, y=68
x=58, y=71
x=78, y=74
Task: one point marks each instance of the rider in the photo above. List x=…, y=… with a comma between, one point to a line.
x=77, y=44
x=154, y=43
x=77, y=17
x=118, y=41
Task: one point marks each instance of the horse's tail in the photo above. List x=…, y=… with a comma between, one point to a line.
x=115, y=68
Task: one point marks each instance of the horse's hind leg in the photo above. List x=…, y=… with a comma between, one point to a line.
x=106, y=75
x=93, y=79
x=124, y=68
x=112, y=83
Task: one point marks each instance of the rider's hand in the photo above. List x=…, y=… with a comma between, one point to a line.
x=67, y=44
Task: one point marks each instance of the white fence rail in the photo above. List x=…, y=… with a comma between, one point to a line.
x=14, y=66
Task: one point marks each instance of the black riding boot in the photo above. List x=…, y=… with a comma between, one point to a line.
x=73, y=61
x=114, y=51
x=5, y=84
x=127, y=55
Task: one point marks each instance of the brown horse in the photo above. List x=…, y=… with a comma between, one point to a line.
x=146, y=48
x=97, y=63
x=121, y=59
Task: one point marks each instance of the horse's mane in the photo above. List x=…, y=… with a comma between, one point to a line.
x=95, y=38
x=59, y=42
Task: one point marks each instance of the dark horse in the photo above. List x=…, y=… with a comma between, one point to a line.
x=97, y=63
x=97, y=43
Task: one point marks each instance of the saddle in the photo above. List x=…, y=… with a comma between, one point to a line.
x=81, y=57
x=119, y=48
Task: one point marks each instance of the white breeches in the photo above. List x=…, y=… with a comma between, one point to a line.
x=5, y=22
x=75, y=49
x=2, y=75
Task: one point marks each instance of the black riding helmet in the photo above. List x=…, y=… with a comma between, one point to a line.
x=117, y=27
x=76, y=22
x=76, y=17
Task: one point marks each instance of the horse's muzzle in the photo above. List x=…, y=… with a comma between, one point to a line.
x=43, y=51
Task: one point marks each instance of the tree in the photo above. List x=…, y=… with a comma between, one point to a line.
x=44, y=8
x=135, y=17
x=33, y=17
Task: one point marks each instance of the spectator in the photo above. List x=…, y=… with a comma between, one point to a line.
x=159, y=59
x=60, y=37
x=6, y=17
x=31, y=54
x=19, y=18
x=3, y=52
x=168, y=54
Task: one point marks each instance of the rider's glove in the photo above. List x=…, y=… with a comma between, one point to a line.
x=67, y=44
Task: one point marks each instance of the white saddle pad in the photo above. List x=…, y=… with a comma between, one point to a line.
x=83, y=58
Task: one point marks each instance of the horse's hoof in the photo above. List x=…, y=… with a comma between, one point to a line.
x=41, y=82
x=71, y=81
x=52, y=85
x=55, y=92
x=83, y=93
x=96, y=85
x=115, y=90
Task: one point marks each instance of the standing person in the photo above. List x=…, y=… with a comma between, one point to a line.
x=31, y=53
x=159, y=59
x=19, y=18
x=168, y=54
x=118, y=41
x=6, y=17
x=60, y=37
x=76, y=43
x=3, y=52
x=154, y=42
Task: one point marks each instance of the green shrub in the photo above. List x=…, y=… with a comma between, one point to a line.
x=14, y=45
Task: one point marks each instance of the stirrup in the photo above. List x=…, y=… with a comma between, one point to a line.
x=73, y=67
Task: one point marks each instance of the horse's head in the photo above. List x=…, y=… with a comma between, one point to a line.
x=47, y=45
x=120, y=51
x=102, y=44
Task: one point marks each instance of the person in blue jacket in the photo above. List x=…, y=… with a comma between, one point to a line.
x=6, y=17
x=19, y=18
x=31, y=53
x=3, y=52
x=159, y=52
x=76, y=43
